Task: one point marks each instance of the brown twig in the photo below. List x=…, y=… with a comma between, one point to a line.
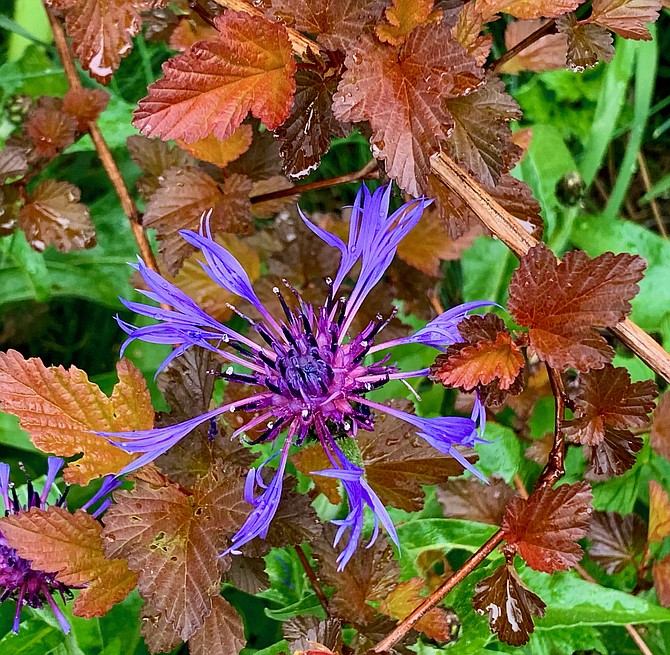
x=312, y=577
x=646, y=180
x=555, y=467
x=410, y=620
x=112, y=170
x=368, y=171
x=504, y=226
x=548, y=28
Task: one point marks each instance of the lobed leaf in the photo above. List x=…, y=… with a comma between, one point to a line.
x=61, y=408
x=183, y=196
x=101, y=32
x=562, y=302
x=13, y=163
x=481, y=138
x=85, y=105
x=50, y=130
x=616, y=540
x=401, y=92
x=173, y=540
x=661, y=576
x=213, y=86
x=529, y=9
x=403, y=16
x=587, y=43
x=70, y=545
x=510, y=605
x=369, y=576
x=544, y=528
x=547, y=53
x=222, y=632
x=473, y=500
x=220, y=152
x=626, y=17
x=607, y=398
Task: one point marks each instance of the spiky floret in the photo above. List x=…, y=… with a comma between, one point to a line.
x=19, y=581
x=314, y=376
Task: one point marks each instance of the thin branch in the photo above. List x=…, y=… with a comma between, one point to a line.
x=555, y=467
x=312, y=578
x=368, y=171
x=646, y=180
x=548, y=28
x=112, y=170
x=504, y=226
x=409, y=621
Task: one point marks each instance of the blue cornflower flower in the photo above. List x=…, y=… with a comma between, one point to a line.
x=19, y=581
x=313, y=375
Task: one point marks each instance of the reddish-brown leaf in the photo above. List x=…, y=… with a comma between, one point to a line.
x=616, y=540
x=587, y=43
x=660, y=427
x=547, y=53
x=173, y=540
x=626, y=17
x=562, y=302
x=213, y=86
x=510, y=605
x=220, y=152
x=661, y=574
x=402, y=93
x=102, y=32
x=614, y=455
x=159, y=635
x=480, y=364
x=481, y=139
x=369, y=576
x=544, y=528
x=85, y=105
x=607, y=397
x=154, y=157
x=53, y=215
x=338, y=24
x=308, y=632
x=659, y=512
x=305, y=135
x=473, y=500
x=467, y=32
x=405, y=597
x=487, y=360
x=13, y=163
x=428, y=243
x=529, y=8
x=50, y=130
x=70, y=545
x=59, y=408
x=403, y=16
x=222, y=632
x=193, y=280
x=312, y=458
x=183, y=196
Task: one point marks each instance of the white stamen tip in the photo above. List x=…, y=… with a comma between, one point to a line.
x=230, y=370
x=275, y=290
x=347, y=426
x=305, y=413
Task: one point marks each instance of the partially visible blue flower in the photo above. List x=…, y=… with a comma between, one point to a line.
x=313, y=373
x=19, y=581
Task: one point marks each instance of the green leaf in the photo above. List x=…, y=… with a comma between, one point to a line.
x=645, y=78
x=442, y=534
x=542, y=173
x=28, y=265
x=280, y=648
x=307, y=605
x=598, y=234
x=610, y=103
x=34, y=636
x=487, y=267
x=573, y=601
x=502, y=453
